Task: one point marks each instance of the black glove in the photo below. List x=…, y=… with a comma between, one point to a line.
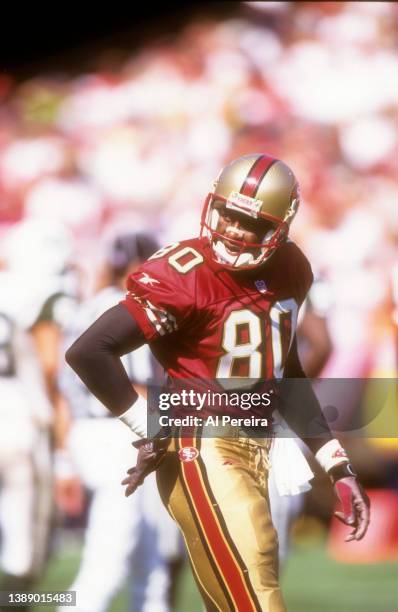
x=354, y=501
x=151, y=452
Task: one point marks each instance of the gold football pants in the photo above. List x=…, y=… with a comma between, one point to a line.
x=216, y=490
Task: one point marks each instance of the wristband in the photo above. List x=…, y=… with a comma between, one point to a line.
x=343, y=470
x=331, y=454
x=135, y=417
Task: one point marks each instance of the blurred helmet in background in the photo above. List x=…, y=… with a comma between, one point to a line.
x=126, y=249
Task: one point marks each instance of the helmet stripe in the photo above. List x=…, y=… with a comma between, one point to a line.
x=256, y=174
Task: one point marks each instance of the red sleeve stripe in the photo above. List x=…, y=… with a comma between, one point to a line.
x=257, y=172
x=217, y=541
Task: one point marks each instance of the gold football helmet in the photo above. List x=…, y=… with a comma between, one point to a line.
x=258, y=186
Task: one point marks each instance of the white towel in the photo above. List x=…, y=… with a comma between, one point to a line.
x=290, y=468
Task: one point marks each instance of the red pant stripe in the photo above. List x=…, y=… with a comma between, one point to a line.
x=223, y=556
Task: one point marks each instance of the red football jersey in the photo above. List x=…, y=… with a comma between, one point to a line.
x=204, y=321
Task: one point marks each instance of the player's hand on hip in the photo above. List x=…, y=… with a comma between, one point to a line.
x=355, y=506
x=150, y=454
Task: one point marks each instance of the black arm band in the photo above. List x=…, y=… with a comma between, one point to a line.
x=95, y=357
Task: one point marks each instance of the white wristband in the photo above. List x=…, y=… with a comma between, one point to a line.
x=331, y=454
x=135, y=417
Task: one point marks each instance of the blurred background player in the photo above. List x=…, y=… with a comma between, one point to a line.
x=34, y=306
x=122, y=535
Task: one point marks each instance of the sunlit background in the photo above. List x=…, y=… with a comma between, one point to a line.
x=129, y=131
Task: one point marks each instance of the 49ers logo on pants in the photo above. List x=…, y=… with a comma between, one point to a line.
x=188, y=453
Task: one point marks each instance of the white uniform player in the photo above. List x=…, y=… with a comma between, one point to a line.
x=25, y=419
x=32, y=299
x=121, y=533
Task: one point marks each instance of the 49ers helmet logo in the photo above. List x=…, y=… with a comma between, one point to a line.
x=188, y=453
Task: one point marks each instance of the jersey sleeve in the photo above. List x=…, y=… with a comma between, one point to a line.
x=159, y=299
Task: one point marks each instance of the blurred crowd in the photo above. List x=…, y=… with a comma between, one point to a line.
x=136, y=144
x=140, y=141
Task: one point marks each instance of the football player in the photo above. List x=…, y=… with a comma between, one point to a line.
x=223, y=308
x=34, y=307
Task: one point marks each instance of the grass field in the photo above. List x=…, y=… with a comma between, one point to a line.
x=311, y=583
